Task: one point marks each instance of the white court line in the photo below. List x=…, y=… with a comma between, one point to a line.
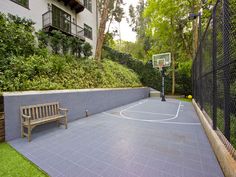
x=139, y=103
x=154, y=121
x=127, y=117
x=157, y=121
x=180, y=123
x=152, y=113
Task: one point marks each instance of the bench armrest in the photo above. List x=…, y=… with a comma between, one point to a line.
x=63, y=109
x=25, y=116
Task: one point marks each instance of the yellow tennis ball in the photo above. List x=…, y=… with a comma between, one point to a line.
x=190, y=97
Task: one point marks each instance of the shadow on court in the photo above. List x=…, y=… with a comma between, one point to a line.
x=148, y=138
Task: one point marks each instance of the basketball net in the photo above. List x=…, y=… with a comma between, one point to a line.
x=160, y=67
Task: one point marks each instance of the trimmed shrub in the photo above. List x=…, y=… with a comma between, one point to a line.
x=58, y=72
x=16, y=39
x=63, y=44
x=184, y=78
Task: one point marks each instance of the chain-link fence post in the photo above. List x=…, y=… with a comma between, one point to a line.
x=2, y=120
x=193, y=85
x=226, y=56
x=200, y=60
x=214, y=53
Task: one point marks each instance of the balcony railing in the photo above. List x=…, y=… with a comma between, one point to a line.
x=53, y=22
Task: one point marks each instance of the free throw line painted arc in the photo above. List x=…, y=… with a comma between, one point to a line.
x=131, y=118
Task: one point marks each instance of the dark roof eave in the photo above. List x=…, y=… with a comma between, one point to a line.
x=79, y=8
x=74, y=5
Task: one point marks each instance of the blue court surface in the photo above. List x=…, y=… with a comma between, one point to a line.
x=148, y=138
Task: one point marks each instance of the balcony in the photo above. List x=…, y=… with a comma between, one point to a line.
x=76, y=5
x=52, y=21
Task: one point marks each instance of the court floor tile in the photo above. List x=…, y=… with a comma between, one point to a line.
x=107, y=146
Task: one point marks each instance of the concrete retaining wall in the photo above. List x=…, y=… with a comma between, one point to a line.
x=77, y=101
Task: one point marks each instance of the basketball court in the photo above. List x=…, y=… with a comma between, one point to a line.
x=148, y=138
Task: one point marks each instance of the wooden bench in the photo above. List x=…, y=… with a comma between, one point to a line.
x=34, y=115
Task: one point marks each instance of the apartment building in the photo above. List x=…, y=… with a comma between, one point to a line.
x=73, y=17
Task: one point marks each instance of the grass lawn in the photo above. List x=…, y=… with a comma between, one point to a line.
x=15, y=165
x=185, y=99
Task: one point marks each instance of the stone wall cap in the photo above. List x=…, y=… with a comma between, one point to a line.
x=20, y=93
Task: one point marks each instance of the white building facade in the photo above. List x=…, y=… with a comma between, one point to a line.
x=73, y=17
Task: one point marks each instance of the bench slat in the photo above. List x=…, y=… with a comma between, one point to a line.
x=46, y=109
x=43, y=111
x=53, y=109
x=32, y=113
x=50, y=110
x=37, y=113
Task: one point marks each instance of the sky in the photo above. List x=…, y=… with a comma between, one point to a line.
x=126, y=32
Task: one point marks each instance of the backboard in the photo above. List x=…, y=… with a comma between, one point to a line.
x=161, y=60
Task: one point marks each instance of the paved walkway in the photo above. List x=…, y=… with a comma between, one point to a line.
x=148, y=138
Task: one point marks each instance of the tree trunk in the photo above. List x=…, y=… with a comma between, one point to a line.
x=173, y=75
x=101, y=31
x=195, y=37
x=173, y=58
x=196, y=7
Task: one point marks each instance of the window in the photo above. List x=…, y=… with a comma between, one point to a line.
x=88, y=4
x=61, y=19
x=24, y=3
x=88, y=32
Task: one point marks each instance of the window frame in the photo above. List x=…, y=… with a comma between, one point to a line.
x=90, y=31
x=60, y=19
x=25, y=6
x=88, y=5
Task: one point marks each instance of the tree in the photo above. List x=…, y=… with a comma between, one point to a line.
x=108, y=9
x=55, y=41
x=101, y=31
x=87, y=49
x=139, y=25
x=116, y=12
x=195, y=7
x=132, y=48
x=170, y=31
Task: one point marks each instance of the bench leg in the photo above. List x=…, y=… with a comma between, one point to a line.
x=29, y=133
x=22, y=131
x=65, y=122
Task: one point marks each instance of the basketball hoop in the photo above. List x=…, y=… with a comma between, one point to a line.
x=160, y=61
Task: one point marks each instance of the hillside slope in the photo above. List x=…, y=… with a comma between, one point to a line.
x=64, y=72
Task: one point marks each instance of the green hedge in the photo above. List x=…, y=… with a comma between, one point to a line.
x=152, y=77
x=16, y=38
x=148, y=75
x=64, y=72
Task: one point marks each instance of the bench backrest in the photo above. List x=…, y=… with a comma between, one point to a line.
x=40, y=110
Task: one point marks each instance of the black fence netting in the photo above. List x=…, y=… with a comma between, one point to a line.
x=214, y=72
